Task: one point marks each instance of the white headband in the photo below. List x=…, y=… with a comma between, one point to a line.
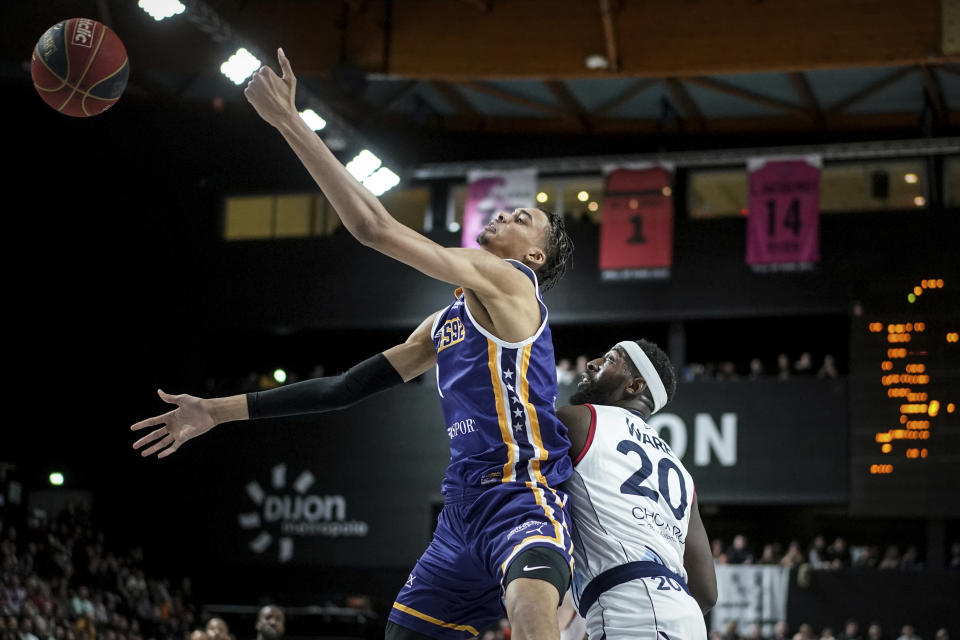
x=648, y=371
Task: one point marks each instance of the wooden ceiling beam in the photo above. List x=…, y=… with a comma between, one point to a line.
x=688, y=108
x=452, y=96
x=841, y=122
x=623, y=97
x=610, y=35
x=807, y=98
x=574, y=109
x=507, y=96
x=745, y=36
x=744, y=94
x=872, y=88
x=932, y=87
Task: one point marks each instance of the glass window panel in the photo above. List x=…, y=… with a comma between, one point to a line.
x=293, y=216
x=248, y=218
x=582, y=197
x=717, y=193
x=952, y=169
x=873, y=186
x=409, y=206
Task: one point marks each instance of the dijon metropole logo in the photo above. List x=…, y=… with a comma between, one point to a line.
x=286, y=513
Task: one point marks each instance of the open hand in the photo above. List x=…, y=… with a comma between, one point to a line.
x=273, y=96
x=190, y=419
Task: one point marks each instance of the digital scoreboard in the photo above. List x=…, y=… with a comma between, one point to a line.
x=905, y=404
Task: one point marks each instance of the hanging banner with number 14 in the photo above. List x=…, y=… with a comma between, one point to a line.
x=783, y=227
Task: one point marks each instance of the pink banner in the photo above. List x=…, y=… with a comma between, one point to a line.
x=783, y=227
x=489, y=192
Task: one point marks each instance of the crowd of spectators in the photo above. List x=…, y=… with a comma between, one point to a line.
x=783, y=369
x=727, y=371
x=820, y=555
x=60, y=580
x=851, y=630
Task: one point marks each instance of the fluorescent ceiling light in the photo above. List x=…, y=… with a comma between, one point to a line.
x=240, y=66
x=161, y=9
x=313, y=119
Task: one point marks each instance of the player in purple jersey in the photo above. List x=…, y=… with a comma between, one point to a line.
x=502, y=539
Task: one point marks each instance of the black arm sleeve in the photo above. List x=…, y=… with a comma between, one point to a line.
x=324, y=394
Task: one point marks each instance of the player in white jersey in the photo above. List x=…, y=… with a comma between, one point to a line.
x=643, y=563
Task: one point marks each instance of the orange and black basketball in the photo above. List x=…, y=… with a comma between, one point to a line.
x=79, y=67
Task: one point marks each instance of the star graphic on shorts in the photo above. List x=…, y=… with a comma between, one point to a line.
x=510, y=386
x=518, y=427
x=518, y=413
x=508, y=374
x=516, y=399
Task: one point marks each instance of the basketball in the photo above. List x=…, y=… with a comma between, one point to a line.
x=79, y=67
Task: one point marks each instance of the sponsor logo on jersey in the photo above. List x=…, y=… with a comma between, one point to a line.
x=450, y=334
x=494, y=477
x=655, y=521
x=461, y=427
x=530, y=526
x=83, y=33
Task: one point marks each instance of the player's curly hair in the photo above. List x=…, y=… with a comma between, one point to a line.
x=661, y=362
x=559, y=249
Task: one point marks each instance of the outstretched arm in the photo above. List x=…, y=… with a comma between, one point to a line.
x=698, y=561
x=195, y=416
x=362, y=214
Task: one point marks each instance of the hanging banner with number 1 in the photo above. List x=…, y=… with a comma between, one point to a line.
x=783, y=227
x=636, y=233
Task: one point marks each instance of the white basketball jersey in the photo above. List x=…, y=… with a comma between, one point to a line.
x=630, y=497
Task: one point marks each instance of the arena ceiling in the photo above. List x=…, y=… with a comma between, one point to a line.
x=415, y=71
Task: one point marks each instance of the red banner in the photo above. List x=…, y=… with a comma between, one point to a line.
x=783, y=227
x=636, y=235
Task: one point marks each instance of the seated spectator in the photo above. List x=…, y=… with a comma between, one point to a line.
x=942, y=634
x=828, y=369
x=271, y=623
x=727, y=371
x=954, y=561
x=756, y=369
x=804, y=365
x=907, y=632
x=783, y=367
x=891, y=559
x=730, y=631
x=851, y=631
x=754, y=633
x=769, y=555
x=716, y=547
x=779, y=631
x=911, y=560
x=217, y=629
x=817, y=554
x=739, y=552
x=868, y=557
x=581, y=364
x=837, y=556
x=827, y=634
x=565, y=372
x=804, y=632
x=199, y=634
x=875, y=632
x=793, y=557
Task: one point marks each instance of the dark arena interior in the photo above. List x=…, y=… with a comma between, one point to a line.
x=767, y=189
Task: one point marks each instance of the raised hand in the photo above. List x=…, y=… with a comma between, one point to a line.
x=271, y=95
x=190, y=419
